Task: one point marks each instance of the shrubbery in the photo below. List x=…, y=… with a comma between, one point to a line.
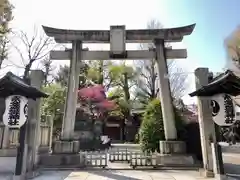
x=152, y=129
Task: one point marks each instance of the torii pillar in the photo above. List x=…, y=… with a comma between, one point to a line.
x=118, y=37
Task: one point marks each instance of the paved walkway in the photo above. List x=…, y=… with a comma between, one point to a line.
x=232, y=165
x=119, y=175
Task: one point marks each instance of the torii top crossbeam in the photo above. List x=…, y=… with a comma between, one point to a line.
x=132, y=36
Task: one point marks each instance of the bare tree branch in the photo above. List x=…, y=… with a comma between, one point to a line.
x=232, y=45
x=47, y=69
x=147, y=83
x=19, y=52
x=35, y=48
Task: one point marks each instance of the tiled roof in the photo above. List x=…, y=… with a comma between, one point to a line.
x=226, y=82
x=11, y=84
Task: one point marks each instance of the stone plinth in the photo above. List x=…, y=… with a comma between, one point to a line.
x=172, y=147
x=12, y=152
x=175, y=160
x=62, y=160
x=208, y=174
x=173, y=153
x=66, y=147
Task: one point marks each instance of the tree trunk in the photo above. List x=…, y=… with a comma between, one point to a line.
x=123, y=137
x=127, y=115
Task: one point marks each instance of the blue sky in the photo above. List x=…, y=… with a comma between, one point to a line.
x=215, y=20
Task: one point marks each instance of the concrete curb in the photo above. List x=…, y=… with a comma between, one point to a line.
x=109, y=169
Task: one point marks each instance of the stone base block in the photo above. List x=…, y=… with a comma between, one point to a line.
x=62, y=160
x=172, y=147
x=20, y=177
x=129, y=147
x=66, y=147
x=43, y=149
x=10, y=152
x=207, y=173
x=175, y=160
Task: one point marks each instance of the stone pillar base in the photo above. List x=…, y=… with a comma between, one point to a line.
x=207, y=173
x=65, y=147
x=62, y=161
x=20, y=177
x=173, y=153
x=176, y=160
x=172, y=147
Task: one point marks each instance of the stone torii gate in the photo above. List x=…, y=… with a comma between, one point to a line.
x=118, y=36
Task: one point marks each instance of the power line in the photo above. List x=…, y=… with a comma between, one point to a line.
x=185, y=73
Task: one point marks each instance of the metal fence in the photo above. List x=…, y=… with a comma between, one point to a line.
x=117, y=154
x=95, y=158
x=133, y=158
x=139, y=159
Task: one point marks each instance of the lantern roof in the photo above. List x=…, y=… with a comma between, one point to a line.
x=227, y=83
x=11, y=84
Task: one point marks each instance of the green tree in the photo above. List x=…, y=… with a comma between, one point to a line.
x=47, y=69
x=151, y=130
x=62, y=76
x=123, y=107
x=152, y=127
x=117, y=95
x=5, y=17
x=122, y=78
x=98, y=72
x=54, y=104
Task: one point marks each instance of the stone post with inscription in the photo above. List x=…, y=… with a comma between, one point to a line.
x=206, y=122
x=33, y=124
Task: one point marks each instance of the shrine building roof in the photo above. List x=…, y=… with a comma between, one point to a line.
x=11, y=84
x=226, y=82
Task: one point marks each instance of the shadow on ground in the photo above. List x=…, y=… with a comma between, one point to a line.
x=232, y=164
x=7, y=165
x=53, y=175
x=112, y=175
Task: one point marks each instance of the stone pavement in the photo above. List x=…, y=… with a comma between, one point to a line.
x=119, y=175
x=232, y=165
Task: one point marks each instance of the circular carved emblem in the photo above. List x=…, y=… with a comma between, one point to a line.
x=215, y=107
